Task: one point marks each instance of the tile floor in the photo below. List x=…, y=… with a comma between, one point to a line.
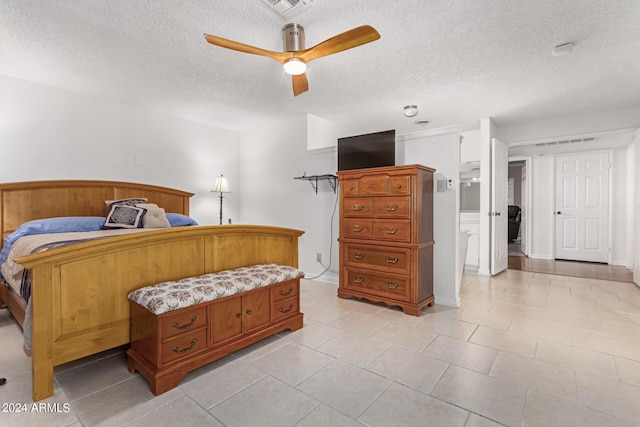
x=524, y=349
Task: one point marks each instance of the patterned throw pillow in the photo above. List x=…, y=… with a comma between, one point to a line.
x=124, y=216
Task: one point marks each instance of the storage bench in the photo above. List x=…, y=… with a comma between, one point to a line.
x=179, y=326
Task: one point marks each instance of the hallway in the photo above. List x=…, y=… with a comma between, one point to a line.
x=567, y=268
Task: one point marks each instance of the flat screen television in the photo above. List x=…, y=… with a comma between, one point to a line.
x=367, y=151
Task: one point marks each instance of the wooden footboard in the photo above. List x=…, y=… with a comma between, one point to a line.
x=79, y=292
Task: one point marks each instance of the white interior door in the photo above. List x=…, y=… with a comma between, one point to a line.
x=582, y=207
x=498, y=214
x=524, y=212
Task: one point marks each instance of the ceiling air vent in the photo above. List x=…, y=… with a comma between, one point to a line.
x=289, y=8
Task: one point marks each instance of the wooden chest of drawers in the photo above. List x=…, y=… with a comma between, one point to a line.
x=165, y=347
x=386, y=236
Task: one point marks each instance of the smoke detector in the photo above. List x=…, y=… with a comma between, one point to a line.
x=289, y=8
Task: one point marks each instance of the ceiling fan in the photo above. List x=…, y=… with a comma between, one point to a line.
x=295, y=57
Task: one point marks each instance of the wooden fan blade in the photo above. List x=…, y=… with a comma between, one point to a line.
x=281, y=57
x=300, y=84
x=347, y=40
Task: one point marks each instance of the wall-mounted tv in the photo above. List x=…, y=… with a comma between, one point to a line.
x=367, y=151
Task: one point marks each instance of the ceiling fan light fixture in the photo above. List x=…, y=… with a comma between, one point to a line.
x=294, y=66
x=410, y=110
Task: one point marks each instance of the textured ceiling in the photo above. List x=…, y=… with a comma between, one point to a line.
x=458, y=60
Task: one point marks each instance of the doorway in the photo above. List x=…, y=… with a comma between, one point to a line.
x=519, y=203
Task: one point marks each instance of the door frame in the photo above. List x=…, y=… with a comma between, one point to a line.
x=528, y=200
x=609, y=201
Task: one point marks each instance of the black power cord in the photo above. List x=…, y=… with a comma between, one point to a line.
x=333, y=214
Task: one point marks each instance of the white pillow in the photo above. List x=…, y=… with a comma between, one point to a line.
x=155, y=216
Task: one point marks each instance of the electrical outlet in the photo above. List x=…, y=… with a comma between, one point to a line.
x=319, y=257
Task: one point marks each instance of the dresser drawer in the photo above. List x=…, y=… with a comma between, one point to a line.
x=399, y=185
x=357, y=228
x=374, y=185
x=350, y=187
x=182, y=322
x=357, y=207
x=285, y=308
x=184, y=345
x=378, y=257
x=391, y=286
x=285, y=290
x=392, y=230
x=392, y=207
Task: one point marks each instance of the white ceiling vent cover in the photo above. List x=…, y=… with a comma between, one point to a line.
x=289, y=8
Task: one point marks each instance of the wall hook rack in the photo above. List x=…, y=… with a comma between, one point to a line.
x=313, y=180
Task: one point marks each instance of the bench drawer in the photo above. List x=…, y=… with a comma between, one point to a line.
x=285, y=290
x=182, y=322
x=285, y=308
x=184, y=346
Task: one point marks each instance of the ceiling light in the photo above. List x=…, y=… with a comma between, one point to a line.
x=562, y=49
x=422, y=122
x=294, y=66
x=410, y=110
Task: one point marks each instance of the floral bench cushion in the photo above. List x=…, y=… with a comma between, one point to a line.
x=186, y=292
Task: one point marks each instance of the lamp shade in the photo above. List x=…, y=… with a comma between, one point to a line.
x=221, y=186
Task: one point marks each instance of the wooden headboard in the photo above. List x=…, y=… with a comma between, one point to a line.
x=25, y=201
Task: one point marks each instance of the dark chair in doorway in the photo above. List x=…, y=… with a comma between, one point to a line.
x=514, y=222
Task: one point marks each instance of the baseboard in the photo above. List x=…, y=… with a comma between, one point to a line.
x=328, y=276
x=448, y=301
x=470, y=268
x=541, y=256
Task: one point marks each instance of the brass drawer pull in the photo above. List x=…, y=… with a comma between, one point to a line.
x=177, y=325
x=391, y=230
x=391, y=208
x=358, y=255
x=176, y=349
x=391, y=260
x=357, y=228
x=282, y=310
x=350, y=188
x=283, y=293
x=358, y=279
x=391, y=285
x=357, y=207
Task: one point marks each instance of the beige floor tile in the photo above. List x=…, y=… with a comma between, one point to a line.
x=621, y=347
x=314, y=334
x=612, y=397
x=220, y=383
x=504, y=340
x=397, y=316
x=266, y=403
x=173, y=414
x=259, y=349
x=493, y=398
x=356, y=349
x=359, y=323
x=462, y=353
x=629, y=371
x=449, y=327
x=401, y=406
x=324, y=415
x=417, y=371
x=410, y=338
x=542, y=329
x=121, y=403
x=344, y=387
x=543, y=410
x=323, y=313
x=530, y=373
x=492, y=320
x=104, y=373
x=577, y=358
x=478, y=421
x=292, y=363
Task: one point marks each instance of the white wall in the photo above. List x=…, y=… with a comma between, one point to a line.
x=272, y=155
x=439, y=149
x=636, y=211
x=48, y=133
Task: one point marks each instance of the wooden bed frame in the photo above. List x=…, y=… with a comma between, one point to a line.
x=79, y=292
